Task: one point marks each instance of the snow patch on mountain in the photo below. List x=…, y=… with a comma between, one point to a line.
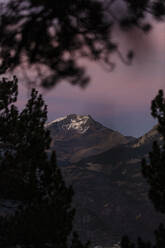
x=78, y=124
x=56, y=120
x=73, y=122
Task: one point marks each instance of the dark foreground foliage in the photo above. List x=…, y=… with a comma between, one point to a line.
x=43, y=213
x=51, y=36
x=154, y=172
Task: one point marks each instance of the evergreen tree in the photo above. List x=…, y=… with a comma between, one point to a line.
x=154, y=172
x=52, y=35
x=44, y=214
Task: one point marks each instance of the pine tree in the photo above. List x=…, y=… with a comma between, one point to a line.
x=44, y=215
x=154, y=172
x=55, y=34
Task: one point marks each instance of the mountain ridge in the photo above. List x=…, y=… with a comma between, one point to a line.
x=114, y=193
x=77, y=136
x=110, y=191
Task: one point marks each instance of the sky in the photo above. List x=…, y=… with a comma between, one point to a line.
x=120, y=99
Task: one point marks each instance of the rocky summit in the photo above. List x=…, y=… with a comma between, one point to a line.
x=77, y=136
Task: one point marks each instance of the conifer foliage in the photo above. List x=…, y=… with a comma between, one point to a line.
x=50, y=37
x=44, y=213
x=154, y=172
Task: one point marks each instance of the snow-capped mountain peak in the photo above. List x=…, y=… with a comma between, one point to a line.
x=72, y=122
x=78, y=136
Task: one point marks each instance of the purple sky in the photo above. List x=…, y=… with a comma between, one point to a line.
x=120, y=99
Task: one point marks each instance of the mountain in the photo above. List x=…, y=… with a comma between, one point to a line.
x=77, y=136
x=111, y=195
